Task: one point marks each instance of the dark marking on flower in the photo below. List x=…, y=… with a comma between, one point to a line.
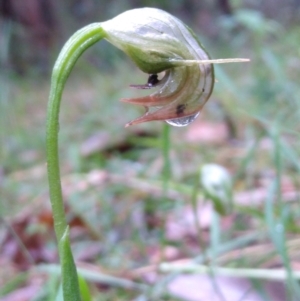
x=180, y=109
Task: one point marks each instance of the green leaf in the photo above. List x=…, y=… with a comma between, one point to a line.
x=69, y=273
x=84, y=289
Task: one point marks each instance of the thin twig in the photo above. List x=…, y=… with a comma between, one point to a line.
x=267, y=274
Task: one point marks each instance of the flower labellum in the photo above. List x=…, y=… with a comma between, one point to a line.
x=156, y=41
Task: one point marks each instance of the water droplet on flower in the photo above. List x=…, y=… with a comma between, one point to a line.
x=182, y=121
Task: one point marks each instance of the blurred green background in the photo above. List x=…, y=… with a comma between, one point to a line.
x=132, y=194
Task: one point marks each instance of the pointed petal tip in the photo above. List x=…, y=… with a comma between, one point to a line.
x=141, y=119
x=125, y=100
x=135, y=122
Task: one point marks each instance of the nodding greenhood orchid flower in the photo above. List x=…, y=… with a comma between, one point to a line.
x=157, y=41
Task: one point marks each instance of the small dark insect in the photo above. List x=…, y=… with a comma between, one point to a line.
x=152, y=81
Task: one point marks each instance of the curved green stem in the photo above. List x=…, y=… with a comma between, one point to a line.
x=75, y=46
